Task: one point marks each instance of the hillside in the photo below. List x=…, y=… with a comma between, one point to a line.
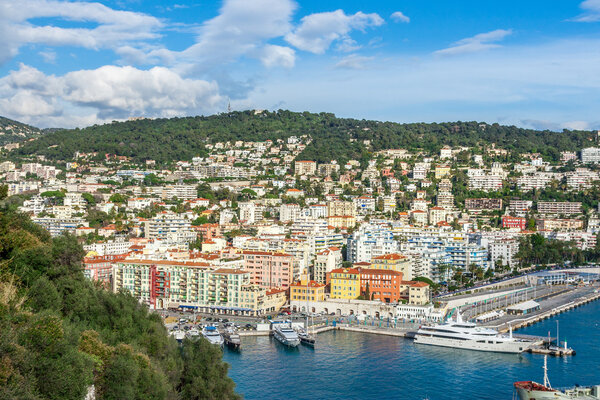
x=165, y=140
x=60, y=333
x=13, y=131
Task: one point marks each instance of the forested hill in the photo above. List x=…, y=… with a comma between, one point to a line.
x=166, y=140
x=60, y=333
x=13, y=131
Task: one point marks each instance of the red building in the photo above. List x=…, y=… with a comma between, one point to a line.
x=514, y=222
x=383, y=285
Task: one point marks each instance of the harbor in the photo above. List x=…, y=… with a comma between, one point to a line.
x=394, y=367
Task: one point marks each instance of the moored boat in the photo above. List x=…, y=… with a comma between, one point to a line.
x=284, y=333
x=467, y=335
x=306, y=338
x=530, y=390
x=232, y=338
x=211, y=333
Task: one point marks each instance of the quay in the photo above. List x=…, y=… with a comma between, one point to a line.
x=539, y=316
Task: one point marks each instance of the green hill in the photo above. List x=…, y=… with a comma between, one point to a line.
x=14, y=132
x=165, y=140
x=60, y=333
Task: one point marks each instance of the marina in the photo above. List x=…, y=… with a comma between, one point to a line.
x=395, y=367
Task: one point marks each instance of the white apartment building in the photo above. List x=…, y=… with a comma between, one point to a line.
x=504, y=251
x=485, y=182
x=289, y=212
x=590, y=155
x=326, y=261
x=169, y=227
x=247, y=212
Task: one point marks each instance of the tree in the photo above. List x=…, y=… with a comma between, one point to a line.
x=118, y=198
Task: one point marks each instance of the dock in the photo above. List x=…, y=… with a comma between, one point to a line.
x=523, y=322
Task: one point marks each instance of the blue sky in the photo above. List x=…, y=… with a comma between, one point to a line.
x=529, y=63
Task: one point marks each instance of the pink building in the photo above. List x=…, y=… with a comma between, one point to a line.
x=269, y=269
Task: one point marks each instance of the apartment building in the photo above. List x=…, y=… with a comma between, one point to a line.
x=591, y=155
x=393, y=262
x=480, y=204
x=549, y=224
x=269, y=269
x=167, y=283
x=382, y=285
x=344, y=283
x=504, y=251
x=325, y=262
x=305, y=167
x=559, y=207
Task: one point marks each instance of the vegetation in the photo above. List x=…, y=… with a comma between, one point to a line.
x=14, y=132
x=60, y=333
x=341, y=139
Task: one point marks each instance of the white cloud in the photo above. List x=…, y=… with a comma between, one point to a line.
x=272, y=55
x=107, y=93
x=113, y=28
x=398, y=16
x=353, y=61
x=480, y=42
x=591, y=11
x=317, y=31
x=242, y=27
x=48, y=56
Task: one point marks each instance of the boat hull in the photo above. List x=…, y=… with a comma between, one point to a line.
x=286, y=342
x=499, y=347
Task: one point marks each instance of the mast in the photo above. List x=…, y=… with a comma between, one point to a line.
x=557, y=341
x=546, y=380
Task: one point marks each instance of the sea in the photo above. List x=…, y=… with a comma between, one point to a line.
x=350, y=365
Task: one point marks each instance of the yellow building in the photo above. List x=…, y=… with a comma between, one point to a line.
x=393, y=262
x=299, y=291
x=442, y=171
x=344, y=283
x=256, y=300
x=342, y=221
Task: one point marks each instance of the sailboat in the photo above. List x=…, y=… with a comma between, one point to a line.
x=306, y=338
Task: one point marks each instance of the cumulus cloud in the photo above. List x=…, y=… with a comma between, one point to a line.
x=272, y=55
x=353, y=61
x=398, y=16
x=591, y=11
x=242, y=27
x=113, y=28
x=317, y=31
x=480, y=42
x=109, y=92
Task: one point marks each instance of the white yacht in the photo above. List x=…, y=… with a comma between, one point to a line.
x=211, y=333
x=285, y=334
x=466, y=335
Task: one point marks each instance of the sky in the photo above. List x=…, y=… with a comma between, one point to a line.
x=530, y=63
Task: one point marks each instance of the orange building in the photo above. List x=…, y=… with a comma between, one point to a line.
x=380, y=284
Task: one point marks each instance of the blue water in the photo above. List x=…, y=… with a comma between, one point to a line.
x=349, y=365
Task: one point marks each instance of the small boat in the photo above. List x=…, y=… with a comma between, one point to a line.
x=284, y=333
x=193, y=334
x=232, y=339
x=211, y=333
x=306, y=338
x=529, y=390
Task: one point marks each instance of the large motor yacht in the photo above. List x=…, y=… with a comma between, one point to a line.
x=467, y=335
x=285, y=334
